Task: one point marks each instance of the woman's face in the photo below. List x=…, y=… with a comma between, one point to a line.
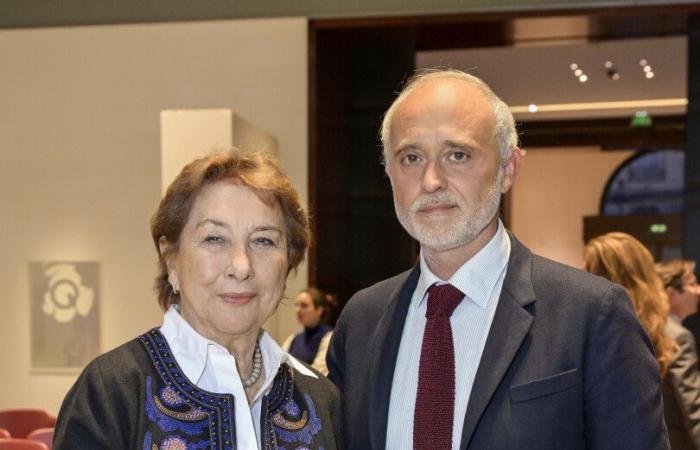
x=308, y=315
x=231, y=264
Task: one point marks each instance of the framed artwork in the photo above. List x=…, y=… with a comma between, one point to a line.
x=64, y=315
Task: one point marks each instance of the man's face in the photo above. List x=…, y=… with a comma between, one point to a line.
x=444, y=166
x=685, y=301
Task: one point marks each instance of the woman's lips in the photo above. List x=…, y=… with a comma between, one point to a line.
x=236, y=298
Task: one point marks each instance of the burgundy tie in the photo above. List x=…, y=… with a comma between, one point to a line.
x=435, y=400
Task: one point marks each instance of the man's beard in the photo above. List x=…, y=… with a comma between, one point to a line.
x=454, y=232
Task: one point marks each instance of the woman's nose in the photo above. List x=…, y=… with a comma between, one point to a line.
x=240, y=267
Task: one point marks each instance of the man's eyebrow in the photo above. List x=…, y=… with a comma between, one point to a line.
x=447, y=143
x=459, y=144
x=215, y=222
x=405, y=147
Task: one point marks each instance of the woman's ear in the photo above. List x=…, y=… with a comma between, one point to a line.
x=167, y=252
x=165, y=249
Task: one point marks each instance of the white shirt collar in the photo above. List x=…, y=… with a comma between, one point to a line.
x=477, y=277
x=191, y=350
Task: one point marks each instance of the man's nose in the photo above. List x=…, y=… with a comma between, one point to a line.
x=240, y=267
x=433, y=177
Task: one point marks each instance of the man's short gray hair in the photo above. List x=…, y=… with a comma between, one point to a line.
x=505, y=135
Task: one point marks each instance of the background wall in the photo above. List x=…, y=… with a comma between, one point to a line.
x=80, y=152
x=556, y=187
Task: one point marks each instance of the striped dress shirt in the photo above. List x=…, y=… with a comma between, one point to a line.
x=481, y=280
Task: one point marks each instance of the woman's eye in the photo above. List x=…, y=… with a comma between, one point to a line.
x=263, y=242
x=215, y=240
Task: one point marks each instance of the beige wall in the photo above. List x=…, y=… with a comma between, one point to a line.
x=555, y=189
x=80, y=152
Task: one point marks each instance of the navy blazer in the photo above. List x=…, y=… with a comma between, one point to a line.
x=566, y=364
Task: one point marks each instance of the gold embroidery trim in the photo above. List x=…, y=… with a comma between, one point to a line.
x=280, y=421
x=192, y=415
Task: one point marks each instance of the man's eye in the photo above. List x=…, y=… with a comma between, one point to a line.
x=410, y=159
x=459, y=156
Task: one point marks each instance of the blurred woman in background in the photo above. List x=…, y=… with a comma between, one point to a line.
x=310, y=345
x=624, y=260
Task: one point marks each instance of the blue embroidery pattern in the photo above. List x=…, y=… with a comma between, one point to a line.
x=289, y=421
x=186, y=417
x=191, y=422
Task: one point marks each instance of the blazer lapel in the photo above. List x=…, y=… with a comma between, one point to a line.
x=386, y=341
x=511, y=324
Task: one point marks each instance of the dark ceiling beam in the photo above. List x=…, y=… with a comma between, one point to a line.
x=615, y=133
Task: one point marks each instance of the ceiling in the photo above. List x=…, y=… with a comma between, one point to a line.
x=538, y=71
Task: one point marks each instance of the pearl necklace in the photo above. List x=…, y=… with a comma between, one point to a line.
x=257, y=367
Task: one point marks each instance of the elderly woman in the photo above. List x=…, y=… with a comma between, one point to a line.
x=228, y=232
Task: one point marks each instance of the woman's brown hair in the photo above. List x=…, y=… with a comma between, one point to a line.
x=622, y=259
x=260, y=172
x=673, y=271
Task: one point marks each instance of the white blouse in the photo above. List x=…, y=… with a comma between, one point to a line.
x=212, y=367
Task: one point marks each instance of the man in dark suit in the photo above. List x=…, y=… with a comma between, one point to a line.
x=681, y=385
x=483, y=345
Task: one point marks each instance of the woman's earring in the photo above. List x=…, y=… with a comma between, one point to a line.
x=175, y=289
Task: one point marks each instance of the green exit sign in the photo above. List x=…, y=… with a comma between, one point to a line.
x=658, y=228
x=641, y=119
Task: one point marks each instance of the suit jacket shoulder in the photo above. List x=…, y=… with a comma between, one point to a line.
x=374, y=299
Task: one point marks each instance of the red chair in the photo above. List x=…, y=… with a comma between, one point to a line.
x=22, y=421
x=4, y=434
x=21, y=444
x=44, y=435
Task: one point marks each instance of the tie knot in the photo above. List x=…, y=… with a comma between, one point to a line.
x=442, y=300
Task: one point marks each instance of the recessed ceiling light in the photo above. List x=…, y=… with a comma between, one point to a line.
x=583, y=78
x=642, y=62
x=647, y=68
x=574, y=66
x=650, y=75
x=578, y=72
x=532, y=108
x=608, y=64
x=615, y=76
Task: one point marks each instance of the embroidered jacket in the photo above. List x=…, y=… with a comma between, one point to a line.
x=136, y=397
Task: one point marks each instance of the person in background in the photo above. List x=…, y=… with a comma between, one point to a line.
x=310, y=345
x=683, y=378
x=228, y=232
x=624, y=260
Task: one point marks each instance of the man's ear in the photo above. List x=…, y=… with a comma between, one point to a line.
x=511, y=170
x=672, y=294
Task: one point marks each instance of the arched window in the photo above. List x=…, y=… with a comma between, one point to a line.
x=648, y=183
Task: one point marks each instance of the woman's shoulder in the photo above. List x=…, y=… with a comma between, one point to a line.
x=317, y=384
x=129, y=357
